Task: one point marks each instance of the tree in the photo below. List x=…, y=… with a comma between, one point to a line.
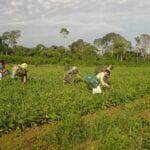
x=78, y=46
x=119, y=49
x=64, y=32
x=137, y=39
x=142, y=45
x=0, y=40
x=106, y=43
x=1, y=44
x=97, y=43
x=10, y=39
x=83, y=51
x=40, y=47
x=145, y=44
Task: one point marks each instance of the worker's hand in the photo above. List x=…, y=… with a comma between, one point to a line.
x=110, y=88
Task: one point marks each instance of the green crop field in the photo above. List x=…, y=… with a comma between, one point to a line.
x=71, y=109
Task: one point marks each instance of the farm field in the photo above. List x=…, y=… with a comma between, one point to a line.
x=117, y=117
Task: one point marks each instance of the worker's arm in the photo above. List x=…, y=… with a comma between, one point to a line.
x=105, y=81
x=105, y=84
x=79, y=77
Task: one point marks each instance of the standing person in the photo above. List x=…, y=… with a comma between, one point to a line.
x=72, y=76
x=20, y=71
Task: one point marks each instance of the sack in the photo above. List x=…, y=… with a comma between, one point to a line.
x=91, y=81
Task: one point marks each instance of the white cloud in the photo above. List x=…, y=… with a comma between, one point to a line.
x=87, y=19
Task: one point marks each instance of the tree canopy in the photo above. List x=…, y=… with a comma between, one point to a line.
x=107, y=41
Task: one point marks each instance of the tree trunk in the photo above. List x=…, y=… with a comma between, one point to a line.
x=121, y=57
x=117, y=57
x=137, y=57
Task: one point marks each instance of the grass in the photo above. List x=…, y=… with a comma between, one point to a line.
x=122, y=127
x=77, y=117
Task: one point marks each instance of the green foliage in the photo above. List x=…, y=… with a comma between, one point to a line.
x=78, y=46
x=11, y=37
x=40, y=47
x=44, y=98
x=109, y=40
x=80, y=52
x=119, y=48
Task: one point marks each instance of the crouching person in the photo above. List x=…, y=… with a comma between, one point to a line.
x=20, y=71
x=72, y=76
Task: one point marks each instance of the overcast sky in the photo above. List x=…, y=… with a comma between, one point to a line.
x=41, y=20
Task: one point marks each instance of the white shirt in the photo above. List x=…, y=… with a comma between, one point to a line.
x=101, y=76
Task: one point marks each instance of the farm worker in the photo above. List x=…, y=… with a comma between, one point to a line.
x=72, y=76
x=3, y=70
x=20, y=71
x=95, y=82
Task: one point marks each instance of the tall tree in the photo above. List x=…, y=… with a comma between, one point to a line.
x=65, y=32
x=97, y=43
x=10, y=39
x=1, y=44
x=78, y=46
x=107, y=42
x=137, y=49
x=143, y=45
x=119, y=49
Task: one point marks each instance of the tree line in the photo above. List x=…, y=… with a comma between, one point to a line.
x=111, y=48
